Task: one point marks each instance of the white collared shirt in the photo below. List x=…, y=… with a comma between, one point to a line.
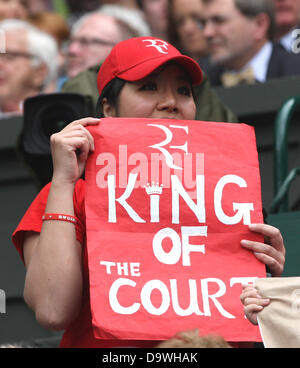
x=260, y=62
x=287, y=41
x=4, y=115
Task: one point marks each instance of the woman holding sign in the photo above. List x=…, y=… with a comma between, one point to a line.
x=142, y=77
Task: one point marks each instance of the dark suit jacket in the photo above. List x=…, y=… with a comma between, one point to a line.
x=282, y=64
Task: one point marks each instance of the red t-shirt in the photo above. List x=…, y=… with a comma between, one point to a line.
x=80, y=332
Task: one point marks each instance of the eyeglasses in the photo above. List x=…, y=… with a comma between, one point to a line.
x=88, y=42
x=215, y=21
x=13, y=55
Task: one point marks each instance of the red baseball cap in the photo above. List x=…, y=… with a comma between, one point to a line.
x=137, y=57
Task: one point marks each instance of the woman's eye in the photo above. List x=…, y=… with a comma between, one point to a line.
x=149, y=86
x=185, y=91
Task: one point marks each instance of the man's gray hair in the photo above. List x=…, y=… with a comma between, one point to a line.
x=40, y=44
x=130, y=19
x=251, y=8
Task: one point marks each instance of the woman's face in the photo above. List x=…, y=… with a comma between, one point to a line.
x=13, y=9
x=187, y=15
x=166, y=93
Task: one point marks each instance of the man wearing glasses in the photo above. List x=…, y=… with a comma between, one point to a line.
x=93, y=36
x=28, y=64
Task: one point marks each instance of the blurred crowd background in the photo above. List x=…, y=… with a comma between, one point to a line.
x=57, y=46
x=235, y=41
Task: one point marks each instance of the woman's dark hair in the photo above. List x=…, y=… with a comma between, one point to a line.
x=111, y=92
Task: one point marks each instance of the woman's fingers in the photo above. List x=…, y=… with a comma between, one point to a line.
x=272, y=235
x=70, y=148
x=79, y=131
x=272, y=251
x=267, y=254
x=250, y=294
x=83, y=122
x=76, y=129
x=253, y=303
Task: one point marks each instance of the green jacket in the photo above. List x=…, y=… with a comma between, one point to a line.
x=209, y=106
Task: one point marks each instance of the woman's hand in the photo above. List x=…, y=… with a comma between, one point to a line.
x=272, y=251
x=70, y=148
x=253, y=303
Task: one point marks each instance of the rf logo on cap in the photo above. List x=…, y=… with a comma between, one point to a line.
x=159, y=45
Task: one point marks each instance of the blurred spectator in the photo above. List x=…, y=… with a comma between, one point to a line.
x=192, y=339
x=253, y=303
x=79, y=8
x=131, y=4
x=18, y=9
x=156, y=15
x=28, y=65
x=132, y=18
x=240, y=38
x=185, y=27
x=52, y=23
x=92, y=38
x=37, y=6
x=57, y=27
x=287, y=20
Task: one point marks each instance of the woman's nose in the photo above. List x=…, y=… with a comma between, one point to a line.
x=168, y=101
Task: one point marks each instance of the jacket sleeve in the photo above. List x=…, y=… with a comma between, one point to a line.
x=209, y=106
x=85, y=83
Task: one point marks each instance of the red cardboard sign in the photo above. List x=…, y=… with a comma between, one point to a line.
x=167, y=204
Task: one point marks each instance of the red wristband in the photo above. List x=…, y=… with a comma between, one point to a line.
x=59, y=217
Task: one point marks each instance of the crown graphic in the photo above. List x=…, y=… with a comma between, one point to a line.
x=154, y=188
